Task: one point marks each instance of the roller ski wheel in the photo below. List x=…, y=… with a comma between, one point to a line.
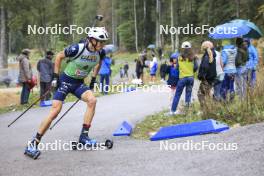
x=108, y=144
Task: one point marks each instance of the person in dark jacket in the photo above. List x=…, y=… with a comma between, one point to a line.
x=45, y=68
x=126, y=67
x=140, y=65
x=163, y=69
x=139, y=68
x=207, y=72
x=25, y=75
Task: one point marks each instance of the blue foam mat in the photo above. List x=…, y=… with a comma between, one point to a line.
x=189, y=129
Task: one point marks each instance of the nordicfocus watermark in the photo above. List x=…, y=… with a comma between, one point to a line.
x=57, y=29
x=58, y=145
x=119, y=88
x=198, y=30
x=189, y=145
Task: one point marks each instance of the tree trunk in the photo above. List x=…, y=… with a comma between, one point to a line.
x=177, y=41
x=172, y=23
x=43, y=22
x=157, y=23
x=237, y=8
x=3, y=38
x=209, y=11
x=144, y=23
x=114, y=35
x=136, y=32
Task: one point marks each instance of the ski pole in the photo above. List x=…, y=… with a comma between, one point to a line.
x=48, y=91
x=64, y=114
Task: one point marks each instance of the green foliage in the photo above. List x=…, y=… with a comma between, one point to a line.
x=125, y=30
x=22, y=13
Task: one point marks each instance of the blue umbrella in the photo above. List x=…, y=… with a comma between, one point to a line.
x=229, y=30
x=110, y=48
x=254, y=32
x=175, y=55
x=151, y=46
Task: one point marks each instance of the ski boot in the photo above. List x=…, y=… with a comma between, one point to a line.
x=85, y=140
x=32, y=150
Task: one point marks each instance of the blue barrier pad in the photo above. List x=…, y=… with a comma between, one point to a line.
x=189, y=129
x=125, y=129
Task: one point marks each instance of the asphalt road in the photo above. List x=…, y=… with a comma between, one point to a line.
x=129, y=156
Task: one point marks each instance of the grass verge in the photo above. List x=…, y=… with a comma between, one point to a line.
x=248, y=111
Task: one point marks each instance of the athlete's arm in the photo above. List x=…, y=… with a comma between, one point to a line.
x=59, y=57
x=97, y=68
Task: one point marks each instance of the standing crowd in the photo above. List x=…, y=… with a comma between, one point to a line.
x=223, y=71
x=228, y=73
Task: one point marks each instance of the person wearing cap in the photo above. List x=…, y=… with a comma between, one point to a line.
x=187, y=62
x=45, y=69
x=82, y=59
x=25, y=75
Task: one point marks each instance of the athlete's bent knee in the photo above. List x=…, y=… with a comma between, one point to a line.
x=92, y=101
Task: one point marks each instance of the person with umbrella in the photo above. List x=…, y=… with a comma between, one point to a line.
x=228, y=57
x=241, y=61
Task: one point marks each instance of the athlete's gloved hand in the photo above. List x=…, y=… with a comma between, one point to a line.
x=93, y=81
x=54, y=83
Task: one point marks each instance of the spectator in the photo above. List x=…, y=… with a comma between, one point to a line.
x=173, y=72
x=121, y=72
x=104, y=73
x=207, y=73
x=139, y=68
x=126, y=67
x=163, y=69
x=187, y=66
x=228, y=56
x=153, y=69
x=252, y=63
x=144, y=64
x=25, y=75
x=220, y=76
x=45, y=68
x=240, y=62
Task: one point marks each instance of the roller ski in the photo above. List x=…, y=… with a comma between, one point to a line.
x=87, y=143
x=32, y=150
